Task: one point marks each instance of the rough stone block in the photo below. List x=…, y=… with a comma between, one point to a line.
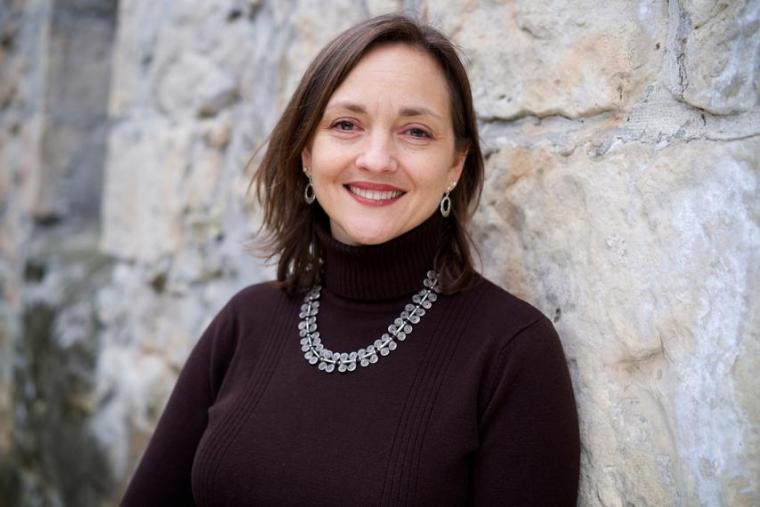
x=553, y=57
x=644, y=258
x=721, y=62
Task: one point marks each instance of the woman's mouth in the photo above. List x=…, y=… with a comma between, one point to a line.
x=374, y=196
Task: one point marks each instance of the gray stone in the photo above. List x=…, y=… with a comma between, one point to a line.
x=721, y=62
x=194, y=85
x=142, y=211
x=378, y=7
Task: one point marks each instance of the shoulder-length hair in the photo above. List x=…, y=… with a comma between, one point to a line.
x=280, y=182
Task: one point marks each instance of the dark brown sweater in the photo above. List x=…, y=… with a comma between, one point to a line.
x=474, y=408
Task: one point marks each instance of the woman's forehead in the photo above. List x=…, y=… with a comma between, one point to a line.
x=398, y=76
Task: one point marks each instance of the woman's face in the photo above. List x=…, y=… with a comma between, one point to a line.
x=383, y=153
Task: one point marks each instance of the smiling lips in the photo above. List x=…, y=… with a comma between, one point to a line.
x=374, y=194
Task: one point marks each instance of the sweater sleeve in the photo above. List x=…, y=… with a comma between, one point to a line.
x=530, y=446
x=163, y=475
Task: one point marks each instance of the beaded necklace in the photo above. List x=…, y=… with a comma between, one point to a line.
x=327, y=360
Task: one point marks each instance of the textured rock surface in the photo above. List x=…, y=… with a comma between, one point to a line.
x=54, y=86
x=623, y=143
x=721, y=55
x=556, y=57
x=646, y=266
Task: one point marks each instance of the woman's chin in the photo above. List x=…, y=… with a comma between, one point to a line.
x=363, y=234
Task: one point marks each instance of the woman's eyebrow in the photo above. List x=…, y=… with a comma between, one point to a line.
x=418, y=111
x=351, y=106
x=404, y=111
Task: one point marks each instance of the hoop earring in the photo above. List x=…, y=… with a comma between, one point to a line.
x=309, y=195
x=445, y=205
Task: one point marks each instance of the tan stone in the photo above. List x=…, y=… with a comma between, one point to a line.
x=641, y=256
x=552, y=57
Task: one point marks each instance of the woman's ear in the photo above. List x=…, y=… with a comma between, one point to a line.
x=456, y=170
x=306, y=159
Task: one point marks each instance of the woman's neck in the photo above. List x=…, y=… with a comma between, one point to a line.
x=386, y=271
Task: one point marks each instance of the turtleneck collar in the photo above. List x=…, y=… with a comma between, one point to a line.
x=389, y=270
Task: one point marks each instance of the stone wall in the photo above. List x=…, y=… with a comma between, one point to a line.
x=623, y=145
x=55, y=57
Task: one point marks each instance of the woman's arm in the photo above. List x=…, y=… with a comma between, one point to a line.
x=163, y=475
x=530, y=446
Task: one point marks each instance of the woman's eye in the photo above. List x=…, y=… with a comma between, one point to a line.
x=344, y=125
x=418, y=132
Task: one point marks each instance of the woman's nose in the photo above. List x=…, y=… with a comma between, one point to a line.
x=377, y=154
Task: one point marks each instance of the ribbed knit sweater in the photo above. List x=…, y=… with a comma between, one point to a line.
x=474, y=408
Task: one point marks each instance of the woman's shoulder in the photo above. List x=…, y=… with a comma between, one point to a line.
x=499, y=303
x=257, y=298
x=258, y=293
x=500, y=314
x=264, y=289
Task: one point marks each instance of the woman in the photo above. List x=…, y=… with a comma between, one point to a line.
x=424, y=384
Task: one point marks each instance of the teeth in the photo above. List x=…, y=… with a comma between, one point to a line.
x=375, y=195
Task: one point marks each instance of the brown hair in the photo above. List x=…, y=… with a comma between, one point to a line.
x=280, y=182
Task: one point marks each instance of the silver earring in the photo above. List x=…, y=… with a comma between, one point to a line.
x=309, y=195
x=445, y=205
x=446, y=201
